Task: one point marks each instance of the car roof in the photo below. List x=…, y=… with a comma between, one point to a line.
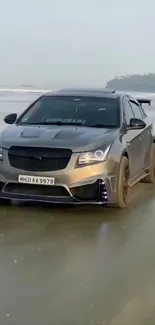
x=89, y=90
x=93, y=92
x=85, y=92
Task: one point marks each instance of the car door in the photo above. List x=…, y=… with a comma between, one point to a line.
x=133, y=140
x=145, y=135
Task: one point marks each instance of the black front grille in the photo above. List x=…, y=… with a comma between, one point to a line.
x=39, y=159
x=30, y=189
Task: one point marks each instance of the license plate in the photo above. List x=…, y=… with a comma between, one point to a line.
x=37, y=180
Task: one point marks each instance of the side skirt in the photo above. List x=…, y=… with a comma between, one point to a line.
x=138, y=177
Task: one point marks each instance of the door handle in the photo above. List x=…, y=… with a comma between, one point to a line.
x=141, y=137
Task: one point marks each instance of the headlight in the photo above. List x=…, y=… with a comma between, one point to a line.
x=96, y=156
x=1, y=153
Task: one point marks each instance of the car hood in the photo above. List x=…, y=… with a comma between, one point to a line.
x=72, y=137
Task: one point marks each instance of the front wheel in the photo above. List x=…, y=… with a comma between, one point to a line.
x=122, y=184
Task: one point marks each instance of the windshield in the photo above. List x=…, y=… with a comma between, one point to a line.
x=85, y=111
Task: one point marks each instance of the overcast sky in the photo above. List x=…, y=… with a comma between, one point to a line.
x=55, y=43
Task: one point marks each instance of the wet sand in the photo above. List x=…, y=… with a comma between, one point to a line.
x=78, y=265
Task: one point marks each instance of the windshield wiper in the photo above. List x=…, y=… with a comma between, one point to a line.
x=51, y=123
x=101, y=126
x=96, y=126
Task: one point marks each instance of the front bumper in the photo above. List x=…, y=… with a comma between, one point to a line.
x=95, y=184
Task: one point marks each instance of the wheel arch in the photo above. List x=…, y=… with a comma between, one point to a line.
x=125, y=154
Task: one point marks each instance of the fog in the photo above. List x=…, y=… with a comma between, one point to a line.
x=74, y=42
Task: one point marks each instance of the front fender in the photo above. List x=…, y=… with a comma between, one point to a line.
x=118, y=149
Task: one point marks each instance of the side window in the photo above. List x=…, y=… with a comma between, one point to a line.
x=128, y=113
x=136, y=110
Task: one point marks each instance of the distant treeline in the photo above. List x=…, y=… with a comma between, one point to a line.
x=134, y=82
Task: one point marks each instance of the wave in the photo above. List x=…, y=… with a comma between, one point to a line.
x=21, y=90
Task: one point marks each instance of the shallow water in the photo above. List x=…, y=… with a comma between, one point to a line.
x=77, y=265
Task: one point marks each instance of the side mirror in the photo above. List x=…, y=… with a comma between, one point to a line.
x=136, y=123
x=10, y=119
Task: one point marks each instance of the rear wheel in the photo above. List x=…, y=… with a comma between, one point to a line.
x=151, y=177
x=122, y=185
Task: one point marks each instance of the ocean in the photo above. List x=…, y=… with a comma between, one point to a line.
x=14, y=102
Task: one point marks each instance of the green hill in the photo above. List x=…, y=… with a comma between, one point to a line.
x=135, y=82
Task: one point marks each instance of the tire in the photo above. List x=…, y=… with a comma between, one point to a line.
x=122, y=185
x=151, y=177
